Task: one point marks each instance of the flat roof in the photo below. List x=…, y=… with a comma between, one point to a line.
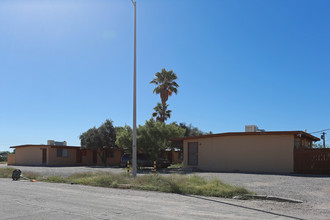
x=44, y=145
x=301, y=133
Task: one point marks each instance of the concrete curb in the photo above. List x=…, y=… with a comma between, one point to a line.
x=265, y=197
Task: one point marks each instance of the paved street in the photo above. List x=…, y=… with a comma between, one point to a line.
x=313, y=190
x=28, y=200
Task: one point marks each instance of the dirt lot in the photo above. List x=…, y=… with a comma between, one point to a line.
x=314, y=191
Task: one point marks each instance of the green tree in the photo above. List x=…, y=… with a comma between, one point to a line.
x=108, y=134
x=160, y=113
x=100, y=139
x=165, y=86
x=191, y=130
x=124, y=138
x=90, y=139
x=151, y=138
x=4, y=156
x=154, y=136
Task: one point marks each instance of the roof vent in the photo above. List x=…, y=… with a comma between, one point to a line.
x=253, y=128
x=57, y=143
x=50, y=142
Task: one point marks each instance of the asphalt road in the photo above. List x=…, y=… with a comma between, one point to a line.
x=29, y=200
x=313, y=190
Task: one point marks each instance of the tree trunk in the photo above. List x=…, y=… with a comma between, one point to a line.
x=163, y=112
x=103, y=157
x=164, y=95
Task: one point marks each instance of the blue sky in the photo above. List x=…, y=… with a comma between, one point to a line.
x=66, y=66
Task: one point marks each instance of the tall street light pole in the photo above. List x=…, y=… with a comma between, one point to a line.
x=134, y=158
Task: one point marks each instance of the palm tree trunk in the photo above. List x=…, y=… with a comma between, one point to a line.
x=163, y=112
x=164, y=95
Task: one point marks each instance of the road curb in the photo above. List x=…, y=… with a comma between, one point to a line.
x=265, y=197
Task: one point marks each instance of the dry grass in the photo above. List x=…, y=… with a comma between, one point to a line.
x=176, y=165
x=183, y=184
x=7, y=173
x=180, y=184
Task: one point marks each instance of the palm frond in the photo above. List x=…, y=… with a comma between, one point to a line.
x=165, y=81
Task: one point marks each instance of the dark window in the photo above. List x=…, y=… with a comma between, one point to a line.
x=62, y=152
x=59, y=152
x=65, y=153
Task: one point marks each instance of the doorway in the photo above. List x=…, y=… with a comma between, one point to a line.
x=193, y=153
x=78, y=156
x=94, y=156
x=44, y=156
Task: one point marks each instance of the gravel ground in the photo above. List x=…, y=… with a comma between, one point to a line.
x=314, y=191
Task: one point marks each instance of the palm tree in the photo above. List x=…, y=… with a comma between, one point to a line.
x=166, y=85
x=161, y=113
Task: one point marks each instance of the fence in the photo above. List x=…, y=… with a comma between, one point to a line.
x=11, y=159
x=312, y=161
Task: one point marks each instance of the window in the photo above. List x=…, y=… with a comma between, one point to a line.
x=62, y=152
x=65, y=153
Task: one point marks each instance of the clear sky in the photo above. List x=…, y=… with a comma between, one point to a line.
x=66, y=66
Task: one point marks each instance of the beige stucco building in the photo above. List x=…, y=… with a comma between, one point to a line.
x=263, y=152
x=56, y=155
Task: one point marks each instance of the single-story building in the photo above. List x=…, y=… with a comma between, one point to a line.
x=256, y=151
x=60, y=155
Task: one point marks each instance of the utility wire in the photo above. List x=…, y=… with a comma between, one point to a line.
x=320, y=131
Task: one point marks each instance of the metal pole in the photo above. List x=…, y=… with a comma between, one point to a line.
x=323, y=137
x=134, y=158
